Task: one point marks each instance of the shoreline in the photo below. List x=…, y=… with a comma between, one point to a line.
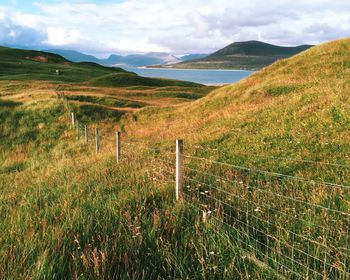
x=193, y=69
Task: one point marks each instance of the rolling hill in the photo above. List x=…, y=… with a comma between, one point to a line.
x=16, y=64
x=74, y=56
x=295, y=107
x=68, y=212
x=250, y=55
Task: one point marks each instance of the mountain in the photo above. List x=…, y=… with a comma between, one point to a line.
x=139, y=60
x=74, y=56
x=133, y=60
x=250, y=55
x=188, y=57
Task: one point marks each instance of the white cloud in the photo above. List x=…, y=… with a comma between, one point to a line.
x=177, y=26
x=136, y=45
x=57, y=36
x=27, y=20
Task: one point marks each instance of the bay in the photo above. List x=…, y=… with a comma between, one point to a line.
x=202, y=76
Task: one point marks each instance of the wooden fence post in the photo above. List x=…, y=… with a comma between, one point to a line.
x=86, y=138
x=204, y=216
x=117, y=142
x=97, y=140
x=73, y=119
x=77, y=127
x=179, y=169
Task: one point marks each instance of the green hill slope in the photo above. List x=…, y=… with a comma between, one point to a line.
x=68, y=212
x=131, y=79
x=16, y=64
x=296, y=107
x=243, y=55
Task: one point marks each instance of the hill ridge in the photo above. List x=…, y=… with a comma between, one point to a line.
x=247, y=55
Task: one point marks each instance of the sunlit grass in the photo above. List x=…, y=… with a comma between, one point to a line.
x=69, y=213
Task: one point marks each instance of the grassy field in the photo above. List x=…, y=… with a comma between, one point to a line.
x=70, y=213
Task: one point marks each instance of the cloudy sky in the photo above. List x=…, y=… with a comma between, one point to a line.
x=191, y=26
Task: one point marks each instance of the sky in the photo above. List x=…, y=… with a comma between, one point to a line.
x=179, y=27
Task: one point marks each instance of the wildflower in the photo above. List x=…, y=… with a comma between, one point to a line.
x=257, y=209
x=211, y=253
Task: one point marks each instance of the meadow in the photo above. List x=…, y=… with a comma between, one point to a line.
x=71, y=213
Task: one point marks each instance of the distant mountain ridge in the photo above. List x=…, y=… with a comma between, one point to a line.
x=132, y=60
x=250, y=55
x=188, y=57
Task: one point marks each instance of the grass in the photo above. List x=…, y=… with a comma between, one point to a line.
x=16, y=64
x=69, y=213
x=131, y=79
x=108, y=101
x=84, y=216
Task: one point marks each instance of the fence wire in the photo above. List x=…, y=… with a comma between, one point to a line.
x=298, y=227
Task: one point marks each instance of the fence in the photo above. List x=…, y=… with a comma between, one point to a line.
x=297, y=227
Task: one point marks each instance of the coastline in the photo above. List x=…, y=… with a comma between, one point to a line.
x=194, y=69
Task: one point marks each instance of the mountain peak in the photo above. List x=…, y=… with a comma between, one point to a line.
x=258, y=48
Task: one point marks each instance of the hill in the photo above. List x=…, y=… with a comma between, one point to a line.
x=250, y=55
x=16, y=64
x=193, y=56
x=74, y=56
x=69, y=212
x=295, y=107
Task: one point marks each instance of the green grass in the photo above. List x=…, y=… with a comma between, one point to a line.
x=69, y=213
x=16, y=64
x=108, y=101
x=131, y=79
x=84, y=216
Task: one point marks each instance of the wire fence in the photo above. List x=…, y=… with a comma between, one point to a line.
x=299, y=228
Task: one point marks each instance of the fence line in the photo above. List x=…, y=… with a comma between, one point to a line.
x=296, y=227
x=268, y=172
x=275, y=157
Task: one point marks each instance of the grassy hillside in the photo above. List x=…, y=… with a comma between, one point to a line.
x=70, y=213
x=295, y=107
x=258, y=154
x=131, y=79
x=36, y=72
x=249, y=55
x=16, y=64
